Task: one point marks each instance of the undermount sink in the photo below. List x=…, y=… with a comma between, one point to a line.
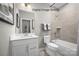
x=23, y=36
x=28, y=34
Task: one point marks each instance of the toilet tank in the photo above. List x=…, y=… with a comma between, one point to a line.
x=47, y=39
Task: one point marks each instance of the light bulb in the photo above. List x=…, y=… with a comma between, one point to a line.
x=23, y=4
x=28, y=5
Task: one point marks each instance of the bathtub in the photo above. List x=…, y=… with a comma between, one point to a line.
x=66, y=48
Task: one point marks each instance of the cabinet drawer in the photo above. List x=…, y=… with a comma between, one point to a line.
x=20, y=42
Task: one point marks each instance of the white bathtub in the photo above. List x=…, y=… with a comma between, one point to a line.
x=66, y=48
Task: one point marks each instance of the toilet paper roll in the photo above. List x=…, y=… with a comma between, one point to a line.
x=49, y=27
x=45, y=27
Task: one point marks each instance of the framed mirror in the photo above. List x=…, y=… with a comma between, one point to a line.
x=26, y=25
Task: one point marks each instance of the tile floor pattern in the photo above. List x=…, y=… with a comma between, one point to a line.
x=43, y=52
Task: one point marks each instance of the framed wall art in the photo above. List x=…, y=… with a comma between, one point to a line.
x=7, y=13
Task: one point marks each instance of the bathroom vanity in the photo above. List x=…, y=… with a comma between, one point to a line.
x=24, y=45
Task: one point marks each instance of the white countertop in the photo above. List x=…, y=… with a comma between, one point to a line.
x=22, y=36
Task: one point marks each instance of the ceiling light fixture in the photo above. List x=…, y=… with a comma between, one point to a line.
x=28, y=5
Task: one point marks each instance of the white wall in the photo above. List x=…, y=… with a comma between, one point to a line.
x=5, y=31
x=42, y=17
x=68, y=18
x=54, y=23
x=78, y=29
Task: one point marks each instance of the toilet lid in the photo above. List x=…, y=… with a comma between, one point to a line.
x=52, y=45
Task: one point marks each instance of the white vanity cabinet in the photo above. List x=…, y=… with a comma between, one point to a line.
x=24, y=47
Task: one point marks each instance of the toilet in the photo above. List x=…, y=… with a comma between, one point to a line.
x=51, y=48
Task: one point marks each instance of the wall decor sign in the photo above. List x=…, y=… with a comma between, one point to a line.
x=7, y=13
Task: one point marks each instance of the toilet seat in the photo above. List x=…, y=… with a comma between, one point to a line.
x=52, y=46
x=52, y=49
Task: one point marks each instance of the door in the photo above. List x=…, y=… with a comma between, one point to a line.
x=20, y=50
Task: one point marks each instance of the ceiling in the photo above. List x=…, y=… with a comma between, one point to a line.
x=57, y=5
x=48, y=5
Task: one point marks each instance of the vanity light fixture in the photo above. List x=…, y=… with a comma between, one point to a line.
x=28, y=5
x=23, y=5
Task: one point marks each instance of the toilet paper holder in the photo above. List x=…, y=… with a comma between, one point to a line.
x=45, y=27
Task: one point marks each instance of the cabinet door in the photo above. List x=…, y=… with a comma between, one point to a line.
x=20, y=50
x=33, y=48
x=33, y=52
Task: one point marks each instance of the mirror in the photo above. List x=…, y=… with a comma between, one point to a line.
x=26, y=25
x=24, y=21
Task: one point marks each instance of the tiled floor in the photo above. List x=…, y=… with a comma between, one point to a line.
x=43, y=52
